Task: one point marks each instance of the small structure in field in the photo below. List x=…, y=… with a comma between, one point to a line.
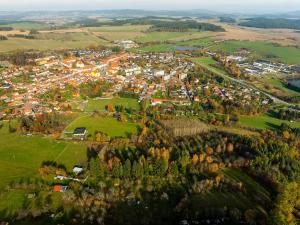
x=59, y=188
x=80, y=133
x=77, y=170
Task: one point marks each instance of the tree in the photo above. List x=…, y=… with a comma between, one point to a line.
x=229, y=147
x=137, y=170
x=145, y=104
x=174, y=169
x=110, y=108
x=287, y=200
x=195, y=159
x=127, y=168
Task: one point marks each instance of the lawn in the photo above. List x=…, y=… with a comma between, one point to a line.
x=107, y=125
x=290, y=55
x=264, y=122
x=22, y=155
x=101, y=103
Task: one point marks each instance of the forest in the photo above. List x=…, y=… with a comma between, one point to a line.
x=262, y=22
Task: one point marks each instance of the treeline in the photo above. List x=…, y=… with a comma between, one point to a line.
x=21, y=36
x=6, y=28
x=183, y=26
x=20, y=58
x=157, y=24
x=3, y=38
x=286, y=114
x=93, y=89
x=272, y=23
x=226, y=19
x=47, y=123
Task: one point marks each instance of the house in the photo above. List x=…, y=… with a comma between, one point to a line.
x=80, y=133
x=128, y=44
x=77, y=170
x=59, y=188
x=158, y=73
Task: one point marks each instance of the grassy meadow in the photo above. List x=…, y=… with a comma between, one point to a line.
x=101, y=103
x=52, y=41
x=107, y=125
x=22, y=155
x=264, y=122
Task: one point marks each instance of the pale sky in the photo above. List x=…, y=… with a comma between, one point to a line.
x=216, y=5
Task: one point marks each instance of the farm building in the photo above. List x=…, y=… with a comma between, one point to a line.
x=59, y=188
x=80, y=133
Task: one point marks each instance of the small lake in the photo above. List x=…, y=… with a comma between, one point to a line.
x=295, y=83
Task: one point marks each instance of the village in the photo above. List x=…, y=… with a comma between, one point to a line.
x=159, y=78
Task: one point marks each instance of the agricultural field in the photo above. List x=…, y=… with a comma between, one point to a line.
x=101, y=103
x=52, y=41
x=200, y=43
x=264, y=122
x=26, y=25
x=107, y=125
x=165, y=36
x=288, y=55
x=118, y=29
x=22, y=155
x=114, y=33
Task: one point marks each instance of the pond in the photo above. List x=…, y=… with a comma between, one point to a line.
x=294, y=83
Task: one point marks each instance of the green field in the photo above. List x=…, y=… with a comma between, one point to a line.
x=264, y=122
x=27, y=25
x=120, y=29
x=209, y=63
x=163, y=36
x=52, y=41
x=100, y=104
x=281, y=86
x=107, y=125
x=290, y=55
x=201, y=43
x=22, y=155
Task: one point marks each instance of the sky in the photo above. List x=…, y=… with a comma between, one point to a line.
x=215, y=5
